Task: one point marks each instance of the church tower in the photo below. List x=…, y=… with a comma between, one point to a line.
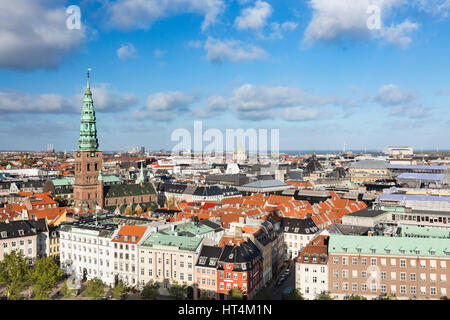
x=88, y=157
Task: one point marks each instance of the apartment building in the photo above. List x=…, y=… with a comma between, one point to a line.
x=311, y=268
x=167, y=258
x=374, y=266
x=87, y=250
x=296, y=234
x=27, y=236
x=125, y=246
x=240, y=266
x=206, y=273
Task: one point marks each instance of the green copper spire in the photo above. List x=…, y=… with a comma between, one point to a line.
x=88, y=130
x=141, y=178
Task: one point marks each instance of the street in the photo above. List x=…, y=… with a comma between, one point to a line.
x=289, y=282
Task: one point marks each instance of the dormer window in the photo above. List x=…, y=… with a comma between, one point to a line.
x=21, y=233
x=4, y=234
x=306, y=257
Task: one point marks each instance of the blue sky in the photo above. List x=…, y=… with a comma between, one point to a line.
x=312, y=69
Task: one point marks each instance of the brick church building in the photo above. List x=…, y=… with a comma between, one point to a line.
x=89, y=191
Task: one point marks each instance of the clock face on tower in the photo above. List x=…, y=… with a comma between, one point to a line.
x=92, y=154
x=78, y=154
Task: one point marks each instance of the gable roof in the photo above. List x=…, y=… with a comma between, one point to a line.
x=124, y=190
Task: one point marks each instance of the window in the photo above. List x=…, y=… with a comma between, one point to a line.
x=433, y=291
x=393, y=275
x=354, y=261
x=355, y=287
x=373, y=261
x=364, y=287
x=336, y=273
x=402, y=289
x=364, y=261
x=402, y=276
x=335, y=285
x=383, y=275
x=412, y=276
x=344, y=274
x=363, y=274
x=344, y=261
x=412, y=290
x=402, y=263
x=383, y=288
x=335, y=260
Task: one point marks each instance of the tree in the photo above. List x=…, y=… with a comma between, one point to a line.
x=139, y=210
x=150, y=291
x=236, y=294
x=67, y=289
x=120, y=291
x=295, y=294
x=95, y=289
x=44, y=276
x=203, y=296
x=324, y=296
x=62, y=202
x=390, y=297
x=129, y=211
x=264, y=294
x=356, y=297
x=13, y=273
x=178, y=291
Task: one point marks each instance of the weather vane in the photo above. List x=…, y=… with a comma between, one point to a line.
x=89, y=70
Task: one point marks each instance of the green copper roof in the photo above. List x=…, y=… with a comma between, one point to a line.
x=62, y=182
x=424, y=232
x=181, y=242
x=188, y=229
x=88, y=130
x=392, y=246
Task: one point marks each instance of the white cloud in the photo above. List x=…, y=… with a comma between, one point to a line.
x=254, y=17
x=250, y=97
x=256, y=102
x=347, y=19
x=195, y=44
x=105, y=100
x=215, y=105
x=391, y=95
x=158, y=53
x=435, y=7
x=33, y=35
x=165, y=106
x=126, y=51
x=401, y=102
x=141, y=14
x=300, y=114
x=399, y=34
x=219, y=51
x=278, y=29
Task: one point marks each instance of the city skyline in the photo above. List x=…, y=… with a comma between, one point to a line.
x=240, y=64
